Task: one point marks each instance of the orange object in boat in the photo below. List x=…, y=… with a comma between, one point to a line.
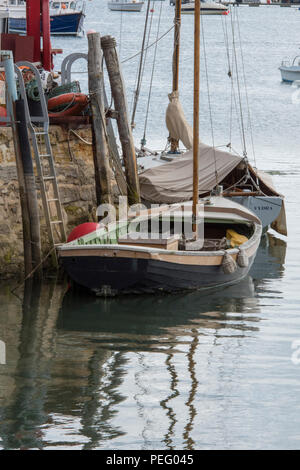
x=68, y=104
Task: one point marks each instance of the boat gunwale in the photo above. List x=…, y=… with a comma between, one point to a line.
x=290, y=68
x=247, y=246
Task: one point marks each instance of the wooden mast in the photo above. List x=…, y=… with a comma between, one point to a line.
x=177, y=21
x=196, y=114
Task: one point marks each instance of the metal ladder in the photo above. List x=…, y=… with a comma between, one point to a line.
x=39, y=131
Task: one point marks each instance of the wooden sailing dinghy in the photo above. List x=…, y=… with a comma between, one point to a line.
x=113, y=260
x=196, y=245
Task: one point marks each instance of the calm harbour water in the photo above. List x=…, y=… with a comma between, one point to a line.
x=188, y=371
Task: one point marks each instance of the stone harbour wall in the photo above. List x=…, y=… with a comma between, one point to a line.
x=75, y=174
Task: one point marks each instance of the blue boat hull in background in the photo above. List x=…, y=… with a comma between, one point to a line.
x=68, y=24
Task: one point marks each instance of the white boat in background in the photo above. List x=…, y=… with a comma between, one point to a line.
x=290, y=71
x=125, y=5
x=207, y=8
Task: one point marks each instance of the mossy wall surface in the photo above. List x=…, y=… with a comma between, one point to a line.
x=75, y=174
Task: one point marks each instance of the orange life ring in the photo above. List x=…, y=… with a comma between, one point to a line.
x=72, y=104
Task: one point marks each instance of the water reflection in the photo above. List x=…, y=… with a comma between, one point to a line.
x=270, y=259
x=31, y=343
x=69, y=356
x=166, y=403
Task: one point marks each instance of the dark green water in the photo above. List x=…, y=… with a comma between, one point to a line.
x=173, y=372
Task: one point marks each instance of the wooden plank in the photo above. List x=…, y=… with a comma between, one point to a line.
x=108, y=44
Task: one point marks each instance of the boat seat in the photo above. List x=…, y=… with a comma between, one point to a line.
x=167, y=242
x=207, y=244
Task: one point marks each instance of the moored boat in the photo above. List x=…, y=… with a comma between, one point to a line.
x=290, y=71
x=125, y=5
x=207, y=8
x=115, y=260
x=199, y=244
x=167, y=179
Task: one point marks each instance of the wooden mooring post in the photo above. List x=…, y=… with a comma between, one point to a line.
x=30, y=187
x=100, y=148
x=7, y=60
x=108, y=44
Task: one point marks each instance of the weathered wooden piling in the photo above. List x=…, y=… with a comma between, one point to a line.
x=108, y=44
x=113, y=149
x=7, y=59
x=30, y=186
x=96, y=92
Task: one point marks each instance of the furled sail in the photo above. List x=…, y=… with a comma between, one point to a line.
x=176, y=122
x=173, y=182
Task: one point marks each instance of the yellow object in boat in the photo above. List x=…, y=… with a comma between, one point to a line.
x=235, y=238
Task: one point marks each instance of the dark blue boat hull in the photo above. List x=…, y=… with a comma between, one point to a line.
x=69, y=24
x=112, y=276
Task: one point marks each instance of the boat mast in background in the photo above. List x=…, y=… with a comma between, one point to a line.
x=177, y=21
x=196, y=114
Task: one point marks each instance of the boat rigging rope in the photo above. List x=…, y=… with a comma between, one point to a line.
x=150, y=45
x=139, y=80
x=34, y=270
x=234, y=106
x=135, y=84
x=143, y=141
x=226, y=41
x=146, y=48
x=231, y=67
x=209, y=100
x=238, y=88
x=247, y=176
x=246, y=89
x=139, y=76
x=229, y=73
x=79, y=137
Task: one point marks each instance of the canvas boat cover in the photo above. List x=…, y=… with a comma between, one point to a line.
x=279, y=224
x=173, y=182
